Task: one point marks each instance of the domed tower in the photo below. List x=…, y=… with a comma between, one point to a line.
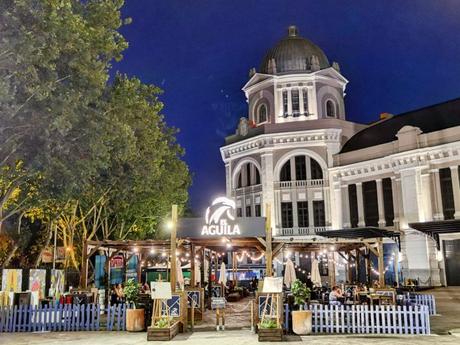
x=281, y=152
x=295, y=82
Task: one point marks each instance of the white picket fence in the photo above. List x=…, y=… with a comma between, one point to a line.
x=420, y=299
x=365, y=319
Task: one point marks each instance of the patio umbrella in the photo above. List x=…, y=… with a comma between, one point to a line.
x=197, y=272
x=180, y=275
x=315, y=276
x=223, y=275
x=289, y=273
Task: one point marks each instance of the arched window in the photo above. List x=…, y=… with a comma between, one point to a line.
x=262, y=113
x=330, y=108
x=248, y=175
x=316, y=171
x=285, y=173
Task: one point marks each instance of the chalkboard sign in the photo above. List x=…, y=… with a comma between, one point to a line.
x=217, y=291
x=174, y=306
x=195, y=297
x=269, y=306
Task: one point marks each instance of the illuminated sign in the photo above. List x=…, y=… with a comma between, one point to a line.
x=220, y=218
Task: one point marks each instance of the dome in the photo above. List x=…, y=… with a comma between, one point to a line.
x=293, y=54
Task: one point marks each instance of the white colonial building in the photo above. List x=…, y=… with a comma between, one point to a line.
x=297, y=152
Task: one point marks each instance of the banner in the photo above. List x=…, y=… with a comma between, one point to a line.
x=57, y=283
x=37, y=282
x=12, y=280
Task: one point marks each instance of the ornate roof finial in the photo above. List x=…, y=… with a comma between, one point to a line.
x=293, y=31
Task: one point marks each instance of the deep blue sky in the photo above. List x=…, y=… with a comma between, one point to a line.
x=397, y=54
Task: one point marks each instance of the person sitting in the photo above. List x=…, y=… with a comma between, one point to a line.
x=335, y=295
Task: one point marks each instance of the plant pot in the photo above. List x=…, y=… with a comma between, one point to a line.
x=270, y=334
x=134, y=320
x=301, y=322
x=163, y=334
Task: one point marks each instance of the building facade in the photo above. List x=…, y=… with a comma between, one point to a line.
x=297, y=152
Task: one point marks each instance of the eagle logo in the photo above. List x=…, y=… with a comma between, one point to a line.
x=219, y=207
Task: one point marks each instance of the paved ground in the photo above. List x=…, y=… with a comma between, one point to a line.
x=448, y=321
x=210, y=338
x=448, y=308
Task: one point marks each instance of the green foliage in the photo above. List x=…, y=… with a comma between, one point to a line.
x=162, y=323
x=131, y=291
x=300, y=291
x=80, y=138
x=268, y=323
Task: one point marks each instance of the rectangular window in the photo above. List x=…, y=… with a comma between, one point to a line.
x=371, y=212
x=302, y=214
x=353, y=200
x=295, y=102
x=300, y=168
x=258, y=210
x=388, y=201
x=319, y=216
x=286, y=215
x=305, y=101
x=248, y=211
x=447, y=193
x=285, y=103
x=239, y=212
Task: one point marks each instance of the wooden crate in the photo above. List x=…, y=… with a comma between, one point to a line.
x=162, y=334
x=270, y=334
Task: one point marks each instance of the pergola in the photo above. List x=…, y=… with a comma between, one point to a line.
x=438, y=228
x=349, y=243
x=191, y=244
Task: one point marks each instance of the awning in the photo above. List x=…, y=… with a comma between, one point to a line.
x=361, y=233
x=436, y=228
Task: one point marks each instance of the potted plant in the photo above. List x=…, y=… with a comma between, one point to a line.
x=301, y=319
x=134, y=317
x=268, y=330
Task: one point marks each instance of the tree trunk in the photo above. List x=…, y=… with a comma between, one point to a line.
x=10, y=256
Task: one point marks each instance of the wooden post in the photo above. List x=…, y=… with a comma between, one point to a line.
x=192, y=265
x=349, y=272
x=381, y=264
x=139, y=267
x=173, y=247
x=268, y=240
x=234, y=266
x=367, y=260
x=357, y=265
x=84, y=267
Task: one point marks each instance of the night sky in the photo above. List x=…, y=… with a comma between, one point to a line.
x=397, y=55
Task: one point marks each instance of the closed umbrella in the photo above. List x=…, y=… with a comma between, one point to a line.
x=315, y=276
x=197, y=272
x=289, y=273
x=180, y=275
x=223, y=275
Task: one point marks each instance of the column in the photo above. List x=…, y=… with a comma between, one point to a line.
x=279, y=112
x=396, y=205
x=456, y=190
x=380, y=204
x=301, y=109
x=427, y=212
x=289, y=101
x=267, y=184
x=228, y=179
x=345, y=207
x=437, y=197
x=359, y=195
x=312, y=103
x=336, y=206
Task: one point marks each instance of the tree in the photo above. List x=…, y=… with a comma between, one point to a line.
x=102, y=160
